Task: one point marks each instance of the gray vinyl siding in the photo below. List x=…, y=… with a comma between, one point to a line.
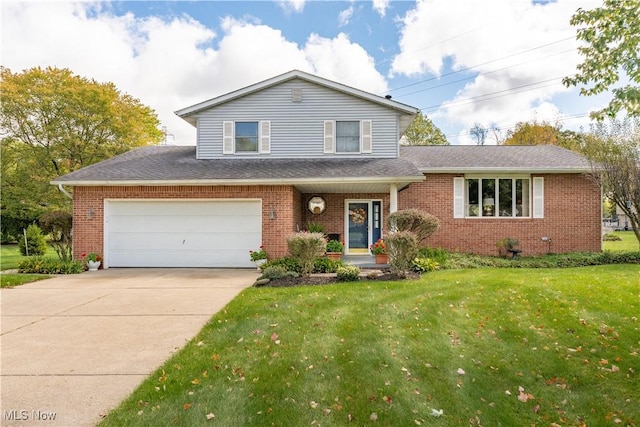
x=297, y=129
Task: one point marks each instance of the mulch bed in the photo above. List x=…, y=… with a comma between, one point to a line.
x=327, y=279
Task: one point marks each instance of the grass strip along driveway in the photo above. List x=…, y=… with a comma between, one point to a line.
x=547, y=347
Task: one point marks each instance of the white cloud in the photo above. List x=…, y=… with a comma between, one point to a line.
x=344, y=16
x=381, y=6
x=292, y=6
x=509, y=43
x=172, y=63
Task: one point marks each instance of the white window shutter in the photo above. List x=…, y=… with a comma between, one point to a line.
x=329, y=136
x=227, y=137
x=265, y=137
x=538, y=197
x=458, y=197
x=366, y=136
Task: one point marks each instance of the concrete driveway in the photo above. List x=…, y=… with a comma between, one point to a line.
x=73, y=347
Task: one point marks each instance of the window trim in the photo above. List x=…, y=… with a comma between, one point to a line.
x=535, y=202
x=330, y=140
x=229, y=137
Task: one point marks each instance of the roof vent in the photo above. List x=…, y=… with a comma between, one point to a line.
x=296, y=94
x=388, y=96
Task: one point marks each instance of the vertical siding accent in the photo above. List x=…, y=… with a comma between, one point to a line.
x=329, y=136
x=265, y=137
x=227, y=137
x=365, y=138
x=538, y=197
x=458, y=197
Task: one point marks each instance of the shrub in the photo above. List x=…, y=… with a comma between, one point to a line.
x=288, y=263
x=335, y=246
x=326, y=265
x=348, y=273
x=276, y=272
x=437, y=254
x=36, y=243
x=425, y=265
x=505, y=245
x=41, y=265
x=610, y=237
x=415, y=221
x=402, y=247
x=59, y=224
x=315, y=227
x=305, y=248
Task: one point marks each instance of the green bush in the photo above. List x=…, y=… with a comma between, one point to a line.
x=59, y=225
x=425, y=265
x=348, y=273
x=610, y=237
x=326, y=265
x=36, y=243
x=288, y=263
x=437, y=254
x=277, y=272
x=305, y=248
x=402, y=248
x=420, y=223
x=41, y=265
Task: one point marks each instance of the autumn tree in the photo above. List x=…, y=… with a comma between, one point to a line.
x=53, y=122
x=532, y=133
x=422, y=131
x=614, y=151
x=612, y=47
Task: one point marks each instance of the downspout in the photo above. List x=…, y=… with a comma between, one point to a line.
x=65, y=192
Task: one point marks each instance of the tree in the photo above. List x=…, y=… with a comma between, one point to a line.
x=422, y=131
x=534, y=133
x=615, y=154
x=479, y=133
x=612, y=46
x=53, y=122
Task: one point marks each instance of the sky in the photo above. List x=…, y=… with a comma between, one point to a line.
x=462, y=62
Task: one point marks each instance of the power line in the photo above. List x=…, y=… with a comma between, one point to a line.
x=484, y=74
x=479, y=65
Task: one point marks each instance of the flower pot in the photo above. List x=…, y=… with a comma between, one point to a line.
x=93, y=265
x=259, y=262
x=334, y=255
x=382, y=259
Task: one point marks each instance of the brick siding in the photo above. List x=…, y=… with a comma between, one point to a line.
x=571, y=214
x=284, y=201
x=571, y=217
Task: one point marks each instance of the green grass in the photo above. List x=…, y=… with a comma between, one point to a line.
x=325, y=355
x=629, y=242
x=10, y=257
x=12, y=280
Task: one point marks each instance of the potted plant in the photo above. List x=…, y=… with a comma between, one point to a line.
x=334, y=249
x=379, y=250
x=259, y=257
x=93, y=261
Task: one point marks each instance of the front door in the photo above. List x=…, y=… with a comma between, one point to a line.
x=363, y=224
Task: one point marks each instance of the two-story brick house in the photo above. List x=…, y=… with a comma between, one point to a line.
x=274, y=156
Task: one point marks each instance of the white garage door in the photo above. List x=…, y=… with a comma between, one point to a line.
x=182, y=233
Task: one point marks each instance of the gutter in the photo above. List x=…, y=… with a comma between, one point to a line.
x=65, y=192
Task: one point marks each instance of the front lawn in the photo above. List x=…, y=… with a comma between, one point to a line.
x=629, y=242
x=10, y=257
x=486, y=347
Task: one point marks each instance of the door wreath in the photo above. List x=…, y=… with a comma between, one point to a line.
x=358, y=216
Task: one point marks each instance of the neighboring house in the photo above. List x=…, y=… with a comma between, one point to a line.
x=297, y=148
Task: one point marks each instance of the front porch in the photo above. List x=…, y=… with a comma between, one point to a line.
x=365, y=262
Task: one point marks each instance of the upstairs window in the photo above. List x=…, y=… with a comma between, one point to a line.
x=246, y=137
x=348, y=137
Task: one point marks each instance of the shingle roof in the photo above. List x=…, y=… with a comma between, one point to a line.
x=179, y=163
x=493, y=158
